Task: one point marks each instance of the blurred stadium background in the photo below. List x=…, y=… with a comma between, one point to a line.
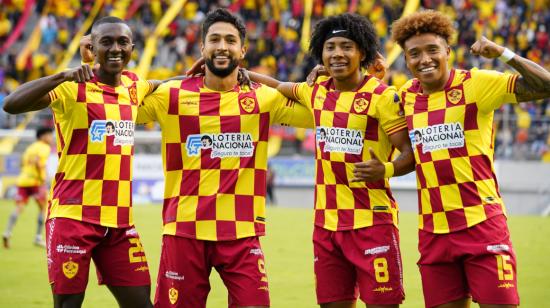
x=38, y=38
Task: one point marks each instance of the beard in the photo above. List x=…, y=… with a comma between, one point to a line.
x=222, y=72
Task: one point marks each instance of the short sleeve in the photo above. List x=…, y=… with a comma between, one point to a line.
x=303, y=92
x=154, y=104
x=60, y=101
x=390, y=112
x=286, y=111
x=493, y=89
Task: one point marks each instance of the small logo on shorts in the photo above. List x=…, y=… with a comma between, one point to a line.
x=173, y=275
x=173, y=295
x=506, y=285
x=383, y=289
x=377, y=250
x=70, y=268
x=498, y=248
x=256, y=251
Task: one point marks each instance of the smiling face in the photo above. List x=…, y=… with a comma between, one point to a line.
x=222, y=49
x=342, y=57
x=112, y=46
x=427, y=56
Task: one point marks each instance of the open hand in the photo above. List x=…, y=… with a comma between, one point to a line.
x=318, y=70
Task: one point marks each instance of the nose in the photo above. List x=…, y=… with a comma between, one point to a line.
x=425, y=58
x=116, y=47
x=222, y=45
x=337, y=53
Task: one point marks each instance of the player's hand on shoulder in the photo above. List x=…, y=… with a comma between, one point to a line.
x=86, y=52
x=379, y=67
x=243, y=77
x=82, y=73
x=318, y=70
x=486, y=48
x=197, y=68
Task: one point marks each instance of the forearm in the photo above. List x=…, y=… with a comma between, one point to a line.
x=267, y=80
x=32, y=95
x=404, y=163
x=534, y=82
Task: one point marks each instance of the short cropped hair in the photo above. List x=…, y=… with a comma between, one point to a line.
x=107, y=20
x=223, y=15
x=428, y=21
x=42, y=131
x=357, y=28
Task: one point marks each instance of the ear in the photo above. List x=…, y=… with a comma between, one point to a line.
x=133, y=46
x=243, y=52
x=201, y=45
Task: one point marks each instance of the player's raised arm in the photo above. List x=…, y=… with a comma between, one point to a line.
x=33, y=95
x=286, y=88
x=534, y=81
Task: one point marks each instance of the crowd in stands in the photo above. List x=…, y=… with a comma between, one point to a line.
x=275, y=45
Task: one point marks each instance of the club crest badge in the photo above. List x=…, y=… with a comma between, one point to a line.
x=133, y=94
x=248, y=104
x=173, y=295
x=454, y=96
x=360, y=104
x=70, y=268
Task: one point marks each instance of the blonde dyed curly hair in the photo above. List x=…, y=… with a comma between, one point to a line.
x=428, y=21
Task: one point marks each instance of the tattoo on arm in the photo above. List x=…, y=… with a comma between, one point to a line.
x=534, y=82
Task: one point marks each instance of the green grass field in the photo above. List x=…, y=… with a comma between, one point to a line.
x=288, y=251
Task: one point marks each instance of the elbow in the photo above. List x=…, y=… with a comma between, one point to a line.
x=8, y=106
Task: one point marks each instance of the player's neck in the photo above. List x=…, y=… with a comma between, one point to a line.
x=349, y=83
x=221, y=84
x=432, y=87
x=108, y=79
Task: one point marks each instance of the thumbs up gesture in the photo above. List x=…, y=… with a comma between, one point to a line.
x=369, y=171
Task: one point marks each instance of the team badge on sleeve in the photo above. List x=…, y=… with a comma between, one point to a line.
x=70, y=268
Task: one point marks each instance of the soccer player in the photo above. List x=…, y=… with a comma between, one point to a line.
x=214, y=145
x=32, y=183
x=464, y=242
x=90, y=214
x=359, y=122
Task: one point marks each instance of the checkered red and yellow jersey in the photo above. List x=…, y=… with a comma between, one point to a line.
x=33, y=165
x=452, y=136
x=214, y=151
x=347, y=125
x=94, y=126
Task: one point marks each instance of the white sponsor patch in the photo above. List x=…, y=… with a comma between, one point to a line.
x=438, y=137
x=173, y=275
x=132, y=232
x=222, y=145
x=70, y=249
x=123, y=131
x=498, y=248
x=342, y=140
x=256, y=251
x=377, y=250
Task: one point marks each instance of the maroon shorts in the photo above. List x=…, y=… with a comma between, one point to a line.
x=117, y=254
x=39, y=193
x=478, y=262
x=364, y=262
x=185, y=266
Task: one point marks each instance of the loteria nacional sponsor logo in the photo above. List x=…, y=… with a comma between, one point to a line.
x=222, y=145
x=438, y=137
x=123, y=131
x=338, y=139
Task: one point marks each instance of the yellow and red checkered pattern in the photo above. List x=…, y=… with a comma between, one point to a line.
x=33, y=165
x=457, y=186
x=372, y=112
x=210, y=196
x=93, y=182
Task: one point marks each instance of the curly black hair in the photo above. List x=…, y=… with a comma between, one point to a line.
x=357, y=28
x=223, y=15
